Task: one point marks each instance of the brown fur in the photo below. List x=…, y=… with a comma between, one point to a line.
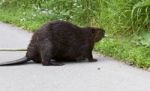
x=62, y=40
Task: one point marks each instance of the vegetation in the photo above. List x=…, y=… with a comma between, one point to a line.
x=127, y=22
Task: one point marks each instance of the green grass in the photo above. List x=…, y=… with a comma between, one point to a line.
x=127, y=22
x=25, y=19
x=125, y=51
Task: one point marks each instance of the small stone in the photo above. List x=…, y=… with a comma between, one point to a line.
x=98, y=68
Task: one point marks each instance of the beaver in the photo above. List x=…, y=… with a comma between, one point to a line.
x=60, y=40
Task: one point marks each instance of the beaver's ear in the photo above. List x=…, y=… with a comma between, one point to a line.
x=102, y=30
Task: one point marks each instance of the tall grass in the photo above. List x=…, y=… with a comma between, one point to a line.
x=141, y=16
x=125, y=16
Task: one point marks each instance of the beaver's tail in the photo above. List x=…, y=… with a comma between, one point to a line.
x=15, y=62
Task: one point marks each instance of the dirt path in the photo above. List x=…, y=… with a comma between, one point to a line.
x=104, y=75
